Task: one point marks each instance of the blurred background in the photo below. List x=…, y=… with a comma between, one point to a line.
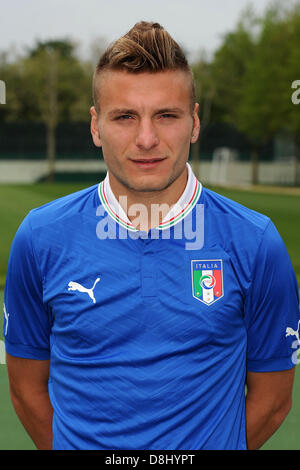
x=246, y=61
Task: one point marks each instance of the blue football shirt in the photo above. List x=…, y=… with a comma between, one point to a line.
x=150, y=335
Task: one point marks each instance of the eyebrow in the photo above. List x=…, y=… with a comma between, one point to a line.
x=116, y=112
x=170, y=110
x=119, y=111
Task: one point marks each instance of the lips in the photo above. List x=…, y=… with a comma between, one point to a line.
x=148, y=160
x=148, y=163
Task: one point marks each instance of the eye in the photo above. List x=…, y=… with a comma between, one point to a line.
x=168, y=116
x=123, y=117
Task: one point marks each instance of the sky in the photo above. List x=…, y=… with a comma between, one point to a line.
x=195, y=24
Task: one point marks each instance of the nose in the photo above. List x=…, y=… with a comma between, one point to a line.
x=147, y=137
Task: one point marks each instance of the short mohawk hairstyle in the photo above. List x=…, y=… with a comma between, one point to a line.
x=147, y=47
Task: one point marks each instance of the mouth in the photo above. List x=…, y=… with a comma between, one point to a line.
x=147, y=162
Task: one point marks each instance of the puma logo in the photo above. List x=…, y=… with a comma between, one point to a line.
x=290, y=332
x=76, y=286
x=6, y=316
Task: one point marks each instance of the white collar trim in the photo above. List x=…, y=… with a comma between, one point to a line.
x=181, y=208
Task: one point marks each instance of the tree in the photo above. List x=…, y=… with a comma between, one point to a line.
x=230, y=69
x=293, y=73
x=53, y=73
x=204, y=91
x=266, y=107
x=48, y=84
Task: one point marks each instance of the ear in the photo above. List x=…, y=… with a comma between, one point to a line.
x=95, y=127
x=196, y=124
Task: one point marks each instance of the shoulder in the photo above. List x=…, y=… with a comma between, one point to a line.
x=249, y=238
x=47, y=221
x=63, y=208
x=233, y=214
x=243, y=233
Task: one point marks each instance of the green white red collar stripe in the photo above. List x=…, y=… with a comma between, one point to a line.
x=183, y=206
x=179, y=211
x=112, y=207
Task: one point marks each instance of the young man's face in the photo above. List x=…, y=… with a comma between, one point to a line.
x=145, y=127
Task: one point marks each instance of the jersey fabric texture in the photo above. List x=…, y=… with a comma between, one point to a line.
x=150, y=341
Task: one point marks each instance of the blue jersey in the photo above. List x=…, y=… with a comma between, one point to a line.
x=150, y=335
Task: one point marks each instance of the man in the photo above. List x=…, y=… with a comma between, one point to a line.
x=138, y=309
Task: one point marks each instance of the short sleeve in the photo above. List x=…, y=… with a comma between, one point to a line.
x=26, y=326
x=272, y=307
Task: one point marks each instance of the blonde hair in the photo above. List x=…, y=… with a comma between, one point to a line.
x=147, y=47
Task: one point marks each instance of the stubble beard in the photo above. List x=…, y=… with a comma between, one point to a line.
x=151, y=188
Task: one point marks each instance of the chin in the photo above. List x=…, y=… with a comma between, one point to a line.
x=149, y=184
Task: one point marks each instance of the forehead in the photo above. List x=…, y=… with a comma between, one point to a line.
x=170, y=88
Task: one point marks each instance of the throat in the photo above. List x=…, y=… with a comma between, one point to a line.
x=147, y=209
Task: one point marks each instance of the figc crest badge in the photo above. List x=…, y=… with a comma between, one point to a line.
x=207, y=280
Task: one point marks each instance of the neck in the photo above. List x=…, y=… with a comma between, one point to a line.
x=146, y=210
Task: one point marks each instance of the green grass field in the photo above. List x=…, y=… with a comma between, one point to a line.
x=17, y=200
